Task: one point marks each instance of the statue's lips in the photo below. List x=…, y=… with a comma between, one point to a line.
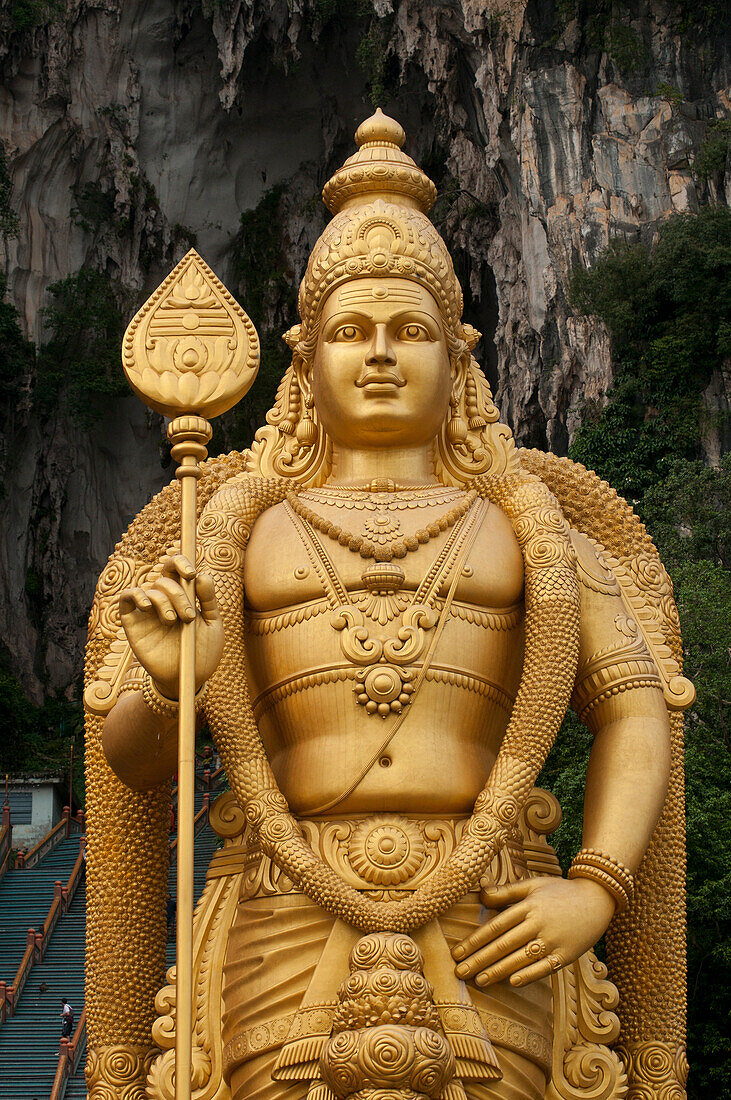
x=380, y=384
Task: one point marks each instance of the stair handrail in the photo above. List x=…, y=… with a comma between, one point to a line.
x=77, y=873
x=63, y=1070
x=218, y=775
x=77, y=1046
x=6, y=840
x=200, y=819
x=37, y=942
x=13, y=991
x=51, y=919
x=69, y=1056
x=53, y=837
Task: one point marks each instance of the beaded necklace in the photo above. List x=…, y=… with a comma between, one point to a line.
x=382, y=539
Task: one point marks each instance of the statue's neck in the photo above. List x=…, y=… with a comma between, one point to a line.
x=405, y=465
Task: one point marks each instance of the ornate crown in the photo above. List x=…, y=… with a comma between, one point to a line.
x=380, y=199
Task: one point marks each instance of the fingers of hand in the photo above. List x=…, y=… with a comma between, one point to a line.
x=206, y=593
x=503, y=969
x=163, y=605
x=536, y=970
x=178, y=567
x=133, y=599
x=513, y=940
x=497, y=897
x=179, y=602
x=490, y=931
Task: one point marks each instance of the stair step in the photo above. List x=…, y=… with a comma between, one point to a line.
x=29, y=1041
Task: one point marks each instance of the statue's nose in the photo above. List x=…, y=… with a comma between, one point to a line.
x=380, y=350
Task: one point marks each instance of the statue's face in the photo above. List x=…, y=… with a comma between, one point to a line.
x=381, y=375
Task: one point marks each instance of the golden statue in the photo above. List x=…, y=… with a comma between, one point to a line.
x=395, y=605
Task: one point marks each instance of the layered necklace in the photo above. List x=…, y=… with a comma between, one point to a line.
x=381, y=537
x=385, y=680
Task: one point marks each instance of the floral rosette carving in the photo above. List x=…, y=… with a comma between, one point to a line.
x=656, y=1071
x=387, y=850
x=387, y=1034
x=118, y=1072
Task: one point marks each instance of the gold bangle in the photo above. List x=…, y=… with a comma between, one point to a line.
x=608, y=872
x=160, y=704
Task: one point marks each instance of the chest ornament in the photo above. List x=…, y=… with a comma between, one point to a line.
x=385, y=681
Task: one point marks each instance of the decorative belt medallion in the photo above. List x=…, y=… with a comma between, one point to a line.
x=386, y=850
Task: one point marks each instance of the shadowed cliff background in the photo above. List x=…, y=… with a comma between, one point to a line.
x=581, y=151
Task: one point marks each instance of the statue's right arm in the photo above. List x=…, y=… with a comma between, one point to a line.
x=141, y=745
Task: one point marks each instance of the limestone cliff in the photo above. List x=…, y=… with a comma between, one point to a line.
x=135, y=128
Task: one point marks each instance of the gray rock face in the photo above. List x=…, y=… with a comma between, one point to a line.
x=136, y=128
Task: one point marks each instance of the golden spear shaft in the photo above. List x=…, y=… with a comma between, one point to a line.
x=188, y=435
x=191, y=350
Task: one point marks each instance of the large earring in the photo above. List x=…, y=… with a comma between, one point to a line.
x=290, y=422
x=306, y=431
x=476, y=421
x=456, y=428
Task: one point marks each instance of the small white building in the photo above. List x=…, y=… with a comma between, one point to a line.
x=36, y=804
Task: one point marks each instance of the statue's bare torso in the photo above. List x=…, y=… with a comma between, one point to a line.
x=443, y=752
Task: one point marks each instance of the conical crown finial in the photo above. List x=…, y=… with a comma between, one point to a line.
x=379, y=169
x=379, y=129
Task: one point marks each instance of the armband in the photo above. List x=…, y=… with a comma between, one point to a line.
x=160, y=704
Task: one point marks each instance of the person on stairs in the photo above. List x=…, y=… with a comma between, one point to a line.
x=67, y=1019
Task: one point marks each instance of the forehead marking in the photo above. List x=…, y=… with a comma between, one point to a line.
x=379, y=293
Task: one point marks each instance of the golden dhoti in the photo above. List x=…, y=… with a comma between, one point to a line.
x=279, y=937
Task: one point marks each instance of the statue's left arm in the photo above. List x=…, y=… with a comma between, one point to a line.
x=544, y=922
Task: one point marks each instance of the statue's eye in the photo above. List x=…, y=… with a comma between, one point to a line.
x=413, y=332
x=348, y=333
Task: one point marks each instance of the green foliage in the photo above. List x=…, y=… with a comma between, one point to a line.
x=669, y=92
x=372, y=57
x=26, y=14
x=564, y=773
x=371, y=52
x=605, y=25
x=688, y=513
x=264, y=284
x=625, y=47
x=16, y=354
x=93, y=208
x=712, y=157
x=78, y=365
x=667, y=312
x=8, y=217
x=38, y=736
x=18, y=735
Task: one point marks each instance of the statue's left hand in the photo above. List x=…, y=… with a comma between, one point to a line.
x=543, y=924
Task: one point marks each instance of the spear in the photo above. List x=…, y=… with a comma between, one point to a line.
x=190, y=353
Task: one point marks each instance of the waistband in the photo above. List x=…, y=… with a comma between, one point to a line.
x=384, y=855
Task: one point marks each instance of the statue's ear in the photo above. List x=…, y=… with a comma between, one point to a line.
x=460, y=363
x=303, y=373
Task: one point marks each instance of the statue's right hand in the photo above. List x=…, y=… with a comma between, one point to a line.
x=152, y=616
